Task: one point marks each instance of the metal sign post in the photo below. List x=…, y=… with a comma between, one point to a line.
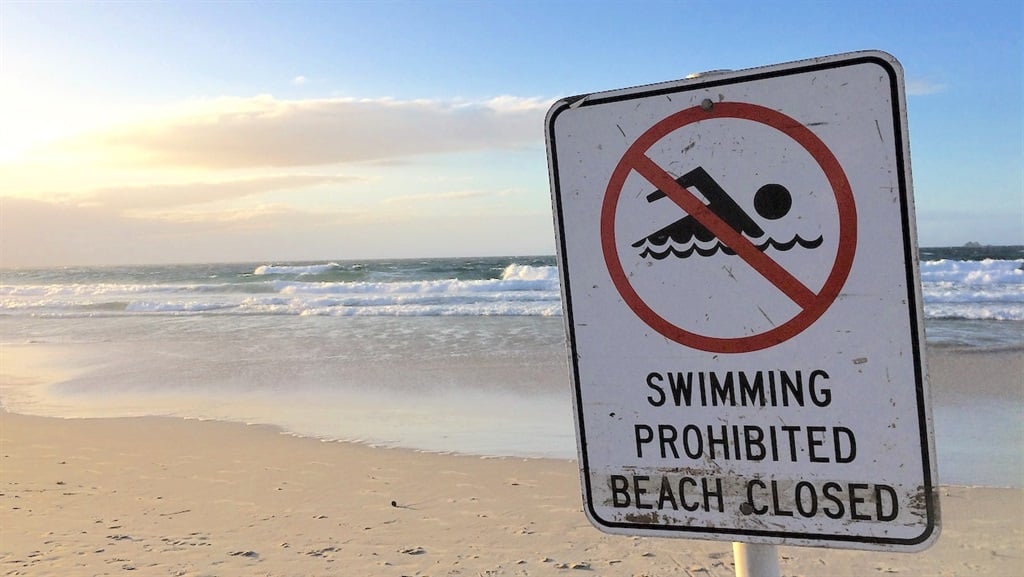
x=754, y=560
x=742, y=301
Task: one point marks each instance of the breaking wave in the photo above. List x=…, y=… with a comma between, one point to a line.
x=300, y=270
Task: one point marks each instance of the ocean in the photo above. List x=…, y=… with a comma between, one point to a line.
x=449, y=355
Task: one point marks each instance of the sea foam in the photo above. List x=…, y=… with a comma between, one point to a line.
x=300, y=270
x=981, y=272
x=988, y=290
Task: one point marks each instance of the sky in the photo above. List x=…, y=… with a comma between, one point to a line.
x=180, y=132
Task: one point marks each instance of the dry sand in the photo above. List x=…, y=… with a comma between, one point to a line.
x=160, y=496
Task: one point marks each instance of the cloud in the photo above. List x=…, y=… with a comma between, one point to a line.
x=254, y=218
x=438, y=196
x=919, y=87
x=37, y=233
x=267, y=132
x=299, y=80
x=195, y=193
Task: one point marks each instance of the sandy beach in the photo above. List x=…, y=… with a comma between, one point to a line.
x=163, y=496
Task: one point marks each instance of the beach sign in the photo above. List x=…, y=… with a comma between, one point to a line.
x=738, y=262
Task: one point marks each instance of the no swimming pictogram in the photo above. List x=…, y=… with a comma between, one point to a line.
x=724, y=221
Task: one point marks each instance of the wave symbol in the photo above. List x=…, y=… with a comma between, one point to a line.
x=719, y=247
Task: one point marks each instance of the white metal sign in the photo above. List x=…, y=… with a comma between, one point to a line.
x=739, y=272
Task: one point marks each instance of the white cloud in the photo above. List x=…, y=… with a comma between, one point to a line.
x=267, y=132
x=225, y=180
x=254, y=218
x=920, y=87
x=519, y=104
x=299, y=80
x=37, y=233
x=195, y=193
x=437, y=196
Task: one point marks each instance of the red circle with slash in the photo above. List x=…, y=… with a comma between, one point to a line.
x=812, y=304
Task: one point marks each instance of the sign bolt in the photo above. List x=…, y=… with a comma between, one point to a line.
x=706, y=105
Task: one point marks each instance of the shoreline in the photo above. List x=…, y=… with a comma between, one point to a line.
x=976, y=402
x=976, y=399
x=366, y=445
x=186, y=497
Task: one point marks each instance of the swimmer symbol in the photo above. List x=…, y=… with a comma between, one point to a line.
x=771, y=201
